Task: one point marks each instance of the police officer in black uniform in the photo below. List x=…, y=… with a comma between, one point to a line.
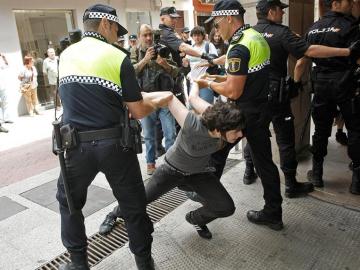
x=335, y=86
x=247, y=65
x=282, y=42
x=96, y=80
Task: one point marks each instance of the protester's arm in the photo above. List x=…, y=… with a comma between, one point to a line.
x=197, y=103
x=178, y=110
x=300, y=67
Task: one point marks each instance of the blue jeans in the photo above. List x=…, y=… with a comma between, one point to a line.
x=149, y=124
x=207, y=94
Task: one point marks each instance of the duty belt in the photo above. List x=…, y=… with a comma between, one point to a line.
x=100, y=134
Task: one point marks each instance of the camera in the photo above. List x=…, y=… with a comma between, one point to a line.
x=159, y=48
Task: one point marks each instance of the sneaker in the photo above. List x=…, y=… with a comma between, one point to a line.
x=37, y=112
x=150, y=168
x=202, y=230
x=341, y=138
x=107, y=225
x=259, y=217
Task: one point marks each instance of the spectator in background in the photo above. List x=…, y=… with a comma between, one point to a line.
x=50, y=69
x=132, y=41
x=3, y=87
x=121, y=41
x=220, y=45
x=185, y=35
x=28, y=85
x=202, y=46
x=43, y=95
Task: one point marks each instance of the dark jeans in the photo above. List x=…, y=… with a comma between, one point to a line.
x=326, y=99
x=257, y=134
x=283, y=123
x=122, y=171
x=216, y=200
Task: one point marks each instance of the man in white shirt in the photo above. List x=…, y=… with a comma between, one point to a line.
x=50, y=69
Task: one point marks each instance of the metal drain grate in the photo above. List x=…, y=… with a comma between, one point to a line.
x=100, y=247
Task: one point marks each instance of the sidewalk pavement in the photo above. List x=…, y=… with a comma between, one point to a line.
x=317, y=235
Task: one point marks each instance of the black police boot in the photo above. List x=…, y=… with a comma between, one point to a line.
x=144, y=262
x=295, y=189
x=261, y=218
x=79, y=261
x=341, y=137
x=250, y=174
x=315, y=175
x=202, y=230
x=355, y=184
x=107, y=225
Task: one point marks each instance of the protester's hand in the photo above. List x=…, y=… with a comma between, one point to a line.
x=355, y=50
x=202, y=64
x=150, y=53
x=195, y=89
x=215, y=78
x=202, y=83
x=185, y=62
x=209, y=57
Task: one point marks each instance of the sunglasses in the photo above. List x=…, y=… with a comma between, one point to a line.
x=216, y=24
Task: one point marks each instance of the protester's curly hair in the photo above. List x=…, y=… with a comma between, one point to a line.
x=223, y=116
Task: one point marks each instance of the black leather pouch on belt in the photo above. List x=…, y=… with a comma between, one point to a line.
x=69, y=137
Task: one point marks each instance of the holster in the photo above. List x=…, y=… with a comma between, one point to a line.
x=69, y=137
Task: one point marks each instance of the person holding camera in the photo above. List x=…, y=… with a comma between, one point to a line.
x=97, y=86
x=154, y=73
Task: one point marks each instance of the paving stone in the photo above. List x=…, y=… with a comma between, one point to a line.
x=9, y=208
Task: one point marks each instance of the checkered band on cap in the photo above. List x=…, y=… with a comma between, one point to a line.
x=259, y=67
x=94, y=34
x=99, y=15
x=229, y=12
x=91, y=80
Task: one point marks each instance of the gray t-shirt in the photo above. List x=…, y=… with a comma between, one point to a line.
x=193, y=146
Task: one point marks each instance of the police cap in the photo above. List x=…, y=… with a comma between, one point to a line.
x=226, y=8
x=328, y=2
x=171, y=11
x=185, y=30
x=121, y=39
x=100, y=11
x=133, y=37
x=264, y=6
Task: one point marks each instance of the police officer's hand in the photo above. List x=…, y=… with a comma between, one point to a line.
x=209, y=57
x=355, y=50
x=150, y=53
x=216, y=78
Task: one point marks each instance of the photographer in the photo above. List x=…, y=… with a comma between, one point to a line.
x=154, y=73
x=168, y=19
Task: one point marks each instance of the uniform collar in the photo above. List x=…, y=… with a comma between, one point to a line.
x=239, y=32
x=163, y=26
x=334, y=14
x=95, y=35
x=265, y=21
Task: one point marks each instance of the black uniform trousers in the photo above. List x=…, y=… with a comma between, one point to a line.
x=283, y=124
x=122, y=171
x=258, y=136
x=327, y=97
x=215, y=199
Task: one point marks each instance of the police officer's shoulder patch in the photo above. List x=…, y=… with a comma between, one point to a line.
x=234, y=64
x=236, y=38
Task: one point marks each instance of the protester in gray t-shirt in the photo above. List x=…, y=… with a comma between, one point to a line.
x=187, y=160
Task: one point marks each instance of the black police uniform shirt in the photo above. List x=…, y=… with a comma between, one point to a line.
x=255, y=90
x=335, y=30
x=282, y=41
x=170, y=40
x=90, y=106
